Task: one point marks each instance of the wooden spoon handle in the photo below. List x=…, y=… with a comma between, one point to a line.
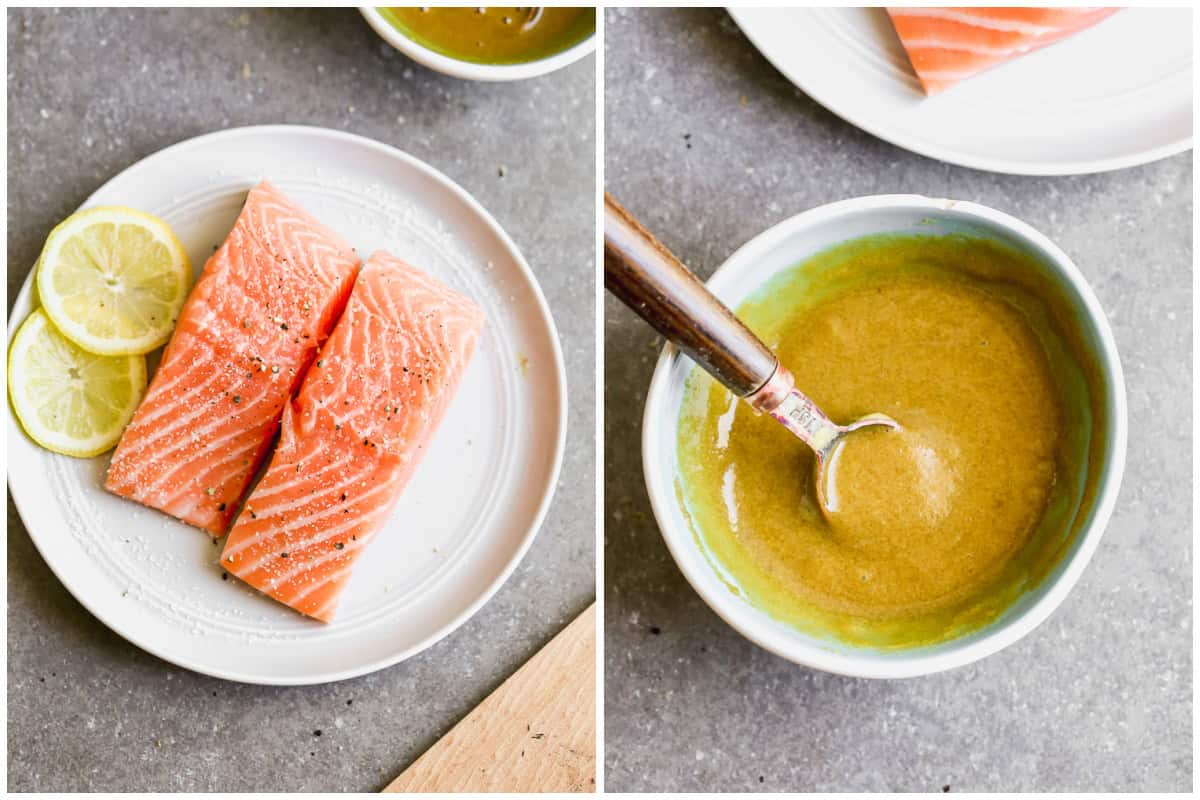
x=649, y=279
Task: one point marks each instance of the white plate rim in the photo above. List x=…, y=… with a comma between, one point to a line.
x=23, y=305
x=951, y=156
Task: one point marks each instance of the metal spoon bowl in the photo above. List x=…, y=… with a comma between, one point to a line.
x=795, y=411
x=648, y=278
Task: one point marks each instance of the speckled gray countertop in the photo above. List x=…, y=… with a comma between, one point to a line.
x=708, y=146
x=91, y=92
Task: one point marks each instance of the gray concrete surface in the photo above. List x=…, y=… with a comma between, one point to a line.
x=1100, y=696
x=91, y=92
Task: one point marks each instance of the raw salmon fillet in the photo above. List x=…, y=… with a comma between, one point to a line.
x=353, y=436
x=947, y=45
x=250, y=327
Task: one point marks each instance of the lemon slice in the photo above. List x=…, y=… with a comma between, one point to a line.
x=69, y=400
x=113, y=279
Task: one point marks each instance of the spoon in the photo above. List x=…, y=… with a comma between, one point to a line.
x=647, y=277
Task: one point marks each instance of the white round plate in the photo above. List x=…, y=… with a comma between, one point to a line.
x=465, y=519
x=1111, y=96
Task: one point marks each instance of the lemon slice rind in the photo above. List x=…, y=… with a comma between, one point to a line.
x=81, y=414
x=113, y=280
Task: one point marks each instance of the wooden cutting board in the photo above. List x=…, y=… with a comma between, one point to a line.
x=536, y=733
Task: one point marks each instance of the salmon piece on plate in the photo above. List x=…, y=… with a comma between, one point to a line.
x=353, y=436
x=947, y=45
x=248, y=331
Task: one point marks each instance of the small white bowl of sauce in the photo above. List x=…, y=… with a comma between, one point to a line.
x=741, y=570
x=488, y=43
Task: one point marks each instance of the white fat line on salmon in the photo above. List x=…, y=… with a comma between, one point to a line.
x=246, y=567
x=434, y=305
x=453, y=349
x=158, y=390
x=434, y=313
x=272, y=528
x=193, y=489
x=230, y=464
x=288, y=217
x=207, y=325
x=335, y=577
x=421, y=297
x=130, y=467
x=305, y=498
x=180, y=506
x=287, y=451
x=425, y=281
x=208, y=446
x=191, y=505
x=407, y=349
x=1005, y=25
x=269, y=491
x=345, y=420
x=456, y=364
x=434, y=332
x=373, y=304
x=372, y=312
x=302, y=239
x=193, y=436
x=304, y=567
x=327, y=281
x=437, y=326
x=189, y=439
x=913, y=45
x=404, y=354
x=191, y=495
x=246, y=251
x=358, y=421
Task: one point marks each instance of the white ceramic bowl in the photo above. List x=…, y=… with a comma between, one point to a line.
x=467, y=69
x=786, y=245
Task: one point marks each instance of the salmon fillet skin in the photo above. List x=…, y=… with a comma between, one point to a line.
x=947, y=45
x=353, y=436
x=251, y=326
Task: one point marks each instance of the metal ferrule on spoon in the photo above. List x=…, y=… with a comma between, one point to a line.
x=649, y=279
